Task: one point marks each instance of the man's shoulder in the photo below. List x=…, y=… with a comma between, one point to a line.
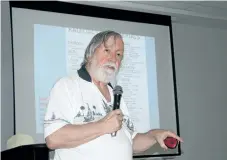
x=67, y=81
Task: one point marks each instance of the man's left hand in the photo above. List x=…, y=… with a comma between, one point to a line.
x=160, y=135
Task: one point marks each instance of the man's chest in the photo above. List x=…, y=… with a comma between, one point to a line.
x=92, y=107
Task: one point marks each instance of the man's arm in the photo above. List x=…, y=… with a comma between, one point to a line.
x=74, y=135
x=143, y=141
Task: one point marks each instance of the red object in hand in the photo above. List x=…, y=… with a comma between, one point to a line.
x=171, y=142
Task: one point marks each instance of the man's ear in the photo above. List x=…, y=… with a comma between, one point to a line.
x=89, y=60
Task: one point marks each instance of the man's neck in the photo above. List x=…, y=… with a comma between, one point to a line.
x=99, y=84
x=103, y=87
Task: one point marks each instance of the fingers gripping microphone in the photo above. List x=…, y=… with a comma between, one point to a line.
x=117, y=91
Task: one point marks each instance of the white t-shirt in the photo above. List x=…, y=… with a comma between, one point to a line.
x=76, y=100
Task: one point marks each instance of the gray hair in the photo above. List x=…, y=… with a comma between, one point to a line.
x=96, y=41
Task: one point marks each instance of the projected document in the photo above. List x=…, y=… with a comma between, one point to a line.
x=76, y=43
x=133, y=78
x=61, y=52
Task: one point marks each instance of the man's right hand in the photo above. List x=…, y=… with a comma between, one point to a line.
x=112, y=122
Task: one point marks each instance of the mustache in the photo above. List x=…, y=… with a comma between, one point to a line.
x=110, y=64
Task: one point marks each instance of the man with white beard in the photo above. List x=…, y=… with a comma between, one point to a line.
x=79, y=118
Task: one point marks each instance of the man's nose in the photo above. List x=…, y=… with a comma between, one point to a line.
x=113, y=57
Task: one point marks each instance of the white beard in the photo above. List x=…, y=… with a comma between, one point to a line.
x=103, y=73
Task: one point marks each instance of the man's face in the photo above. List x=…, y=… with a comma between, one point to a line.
x=106, y=60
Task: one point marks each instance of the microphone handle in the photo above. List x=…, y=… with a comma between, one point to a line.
x=113, y=134
x=116, y=105
x=117, y=99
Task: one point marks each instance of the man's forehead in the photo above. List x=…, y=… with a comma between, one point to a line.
x=113, y=41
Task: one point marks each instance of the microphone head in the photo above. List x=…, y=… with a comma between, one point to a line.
x=117, y=90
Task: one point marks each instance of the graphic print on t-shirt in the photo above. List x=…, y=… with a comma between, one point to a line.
x=87, y=113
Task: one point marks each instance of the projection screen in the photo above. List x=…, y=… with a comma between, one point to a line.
x=49, y=40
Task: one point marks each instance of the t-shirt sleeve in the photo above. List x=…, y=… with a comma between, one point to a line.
x=59, y=110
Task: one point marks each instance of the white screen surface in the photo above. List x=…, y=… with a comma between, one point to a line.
x=66, y=60
x=49, y=45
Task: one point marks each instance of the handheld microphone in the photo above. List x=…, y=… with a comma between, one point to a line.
x=117, y=91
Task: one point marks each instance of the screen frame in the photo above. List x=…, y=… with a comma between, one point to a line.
x=110, y=13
